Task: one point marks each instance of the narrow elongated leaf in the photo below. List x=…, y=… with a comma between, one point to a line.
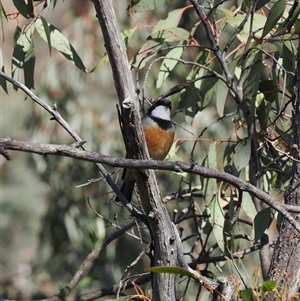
x=165, y=31
x=274, y=15
x=23, y=53
x=210, y=185
x=25, y=8
x=262, y=222
x=145, y=53
x=255, y=65
x=126, y=35
x=208, y=91
x=197, y=71
x=212, y=156
x=248, y=206
x=2, y=80
x=47, y=32
x=144, y=5
x=29, y=65
x=217, y=213
x=297, y=26
x=168, y=65
x=171, y=34
x=221, y=95
x=261, y=3
x=262, y=112
x=2, y=12
x=104, y=60
x=235, y=20
x=289, y=66
x=210, y=191
x=217, y=222
x=294, y=17
x=172, y=20
x=242, y=154
x=189, y=100
x=60, y=42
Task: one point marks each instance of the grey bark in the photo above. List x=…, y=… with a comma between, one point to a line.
x=285, y=262
x=163, y=285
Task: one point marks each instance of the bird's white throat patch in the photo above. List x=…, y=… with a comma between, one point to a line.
x=161, y=112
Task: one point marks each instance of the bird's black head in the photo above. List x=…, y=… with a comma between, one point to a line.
x=161, y=102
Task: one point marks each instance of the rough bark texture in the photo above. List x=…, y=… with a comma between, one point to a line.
x=285, y=263
x=163, y=285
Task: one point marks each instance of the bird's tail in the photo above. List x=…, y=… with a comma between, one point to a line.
x=127, y=190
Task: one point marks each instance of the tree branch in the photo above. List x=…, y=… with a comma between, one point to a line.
x=178, y=166
x=80, y=142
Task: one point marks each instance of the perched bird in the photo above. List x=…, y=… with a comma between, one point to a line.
x=159, y=133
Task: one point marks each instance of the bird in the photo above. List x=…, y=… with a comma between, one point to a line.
x=159, y=132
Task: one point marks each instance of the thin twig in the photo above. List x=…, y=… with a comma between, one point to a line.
x=56, y=116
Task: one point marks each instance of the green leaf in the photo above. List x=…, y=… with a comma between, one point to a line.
x=189, y=100
x=242, y=154
x=217, y=213
x=212, y=199
x=235, y=21
x=23, y=55
x=170, y=34
x=208, y=91
x=274, y=15
x=2, y=80
x=248, y=206
x=286, y=137
x=212, y=156
x=126, y=35
x=262, y=112
x=2, y=13
x=104, y=60
x=144, y=5
x=262, y=222
x=25, y=8
x=221, y=96
x=297, y=26
x=197, y=71
x=3, y=83
x=268, y=286
x=168, y=65
x=208, y=86
x=47, y=32
x=293, y=19
x=288, y=64
x=255, y=66
x=217, y=222
x=145, y=53
x=29, y=64
x=261, y=3
x=269, y=89
x=169, y=270
x=61, y=43
x=210, y=186
x=172, y=19
x=17, y=57
x=247, y=294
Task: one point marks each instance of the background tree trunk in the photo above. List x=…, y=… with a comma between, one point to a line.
x=285, y=263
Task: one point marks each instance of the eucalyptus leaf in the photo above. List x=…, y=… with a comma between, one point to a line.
x=59, y=42
x=242, y=152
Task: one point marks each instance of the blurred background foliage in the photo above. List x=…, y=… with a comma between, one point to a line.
x=48, y=204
